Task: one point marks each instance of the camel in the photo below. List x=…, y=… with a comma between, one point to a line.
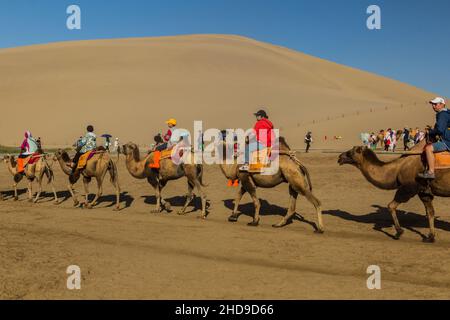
x=35, y=171
x=290, y=171
x=139, y=169
x=97, y=167
x=401, y=175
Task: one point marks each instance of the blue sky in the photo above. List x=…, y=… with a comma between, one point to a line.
x=412, y=46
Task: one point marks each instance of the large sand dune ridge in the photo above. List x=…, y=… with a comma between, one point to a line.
x=128, y=87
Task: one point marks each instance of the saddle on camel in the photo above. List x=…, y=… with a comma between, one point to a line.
x=169, y=146
x=30, y=153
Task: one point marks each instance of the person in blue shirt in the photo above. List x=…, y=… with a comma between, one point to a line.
x=441, y=129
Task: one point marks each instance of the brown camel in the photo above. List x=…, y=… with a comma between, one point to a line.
x=401, y=175
x=290, y=171
x=97, y=167
x=158, y=178
x=35, y=171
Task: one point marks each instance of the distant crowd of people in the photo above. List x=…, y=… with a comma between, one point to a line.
x=388, y=139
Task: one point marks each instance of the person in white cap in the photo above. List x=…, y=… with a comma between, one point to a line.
x=441, y=129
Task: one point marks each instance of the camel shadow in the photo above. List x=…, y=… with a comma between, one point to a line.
x=177, y=201
x=8, y=195
x=63, y=196
x=382, y=219
x=267, y=209
x=111, y=199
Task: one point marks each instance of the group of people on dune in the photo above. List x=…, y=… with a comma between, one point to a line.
x=388, y=139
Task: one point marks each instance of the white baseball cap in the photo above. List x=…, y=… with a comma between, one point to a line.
x=438, y=100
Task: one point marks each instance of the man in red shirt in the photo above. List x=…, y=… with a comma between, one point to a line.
x=263, y=138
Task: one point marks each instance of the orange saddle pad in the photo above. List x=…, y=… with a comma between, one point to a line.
x=442, y=160
x=83, y=160
x=22, y=163
x=158, y=156
x=260, y=160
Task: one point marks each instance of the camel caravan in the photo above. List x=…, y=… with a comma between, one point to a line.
x=264, y=160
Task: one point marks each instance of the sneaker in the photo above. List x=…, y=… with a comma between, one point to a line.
x=244, y=168
x=427, y=175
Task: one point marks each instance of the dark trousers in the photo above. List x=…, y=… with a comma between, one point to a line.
x=308, y=145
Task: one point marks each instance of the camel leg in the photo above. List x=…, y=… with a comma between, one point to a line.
x=116, y=185
x=16, y=195
x=30, y=191
x=164, y=204
x=235, y=215
x=316, y=203
x=38, y=195
x=54, y=192
x=99, y=193
x=291, y=211
x=189, y=198
x=74, y=196
x=203, y=197
x=403, y=195
x=393, y=210
x=158, y=207
x=86, y=182
x=427, y=200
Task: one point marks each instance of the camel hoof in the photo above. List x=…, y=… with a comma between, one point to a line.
x=116, y=209
x=233, y=219
x=203, y=217
x=429, y=239
x=253, y=224
x=76, y=203
x=181, y=213
x=398, y=234
x=168, y=207
x=16, y=198
x=277, y=226
x=319, y=231
x=156, y=210
x=56, y=203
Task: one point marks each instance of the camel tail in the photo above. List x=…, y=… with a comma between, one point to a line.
x=113, y=171
x=49, y=173
x=200, y=171
x=307, y=175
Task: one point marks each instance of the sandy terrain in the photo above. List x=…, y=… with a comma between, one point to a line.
x=129, y=87
x=135, y=254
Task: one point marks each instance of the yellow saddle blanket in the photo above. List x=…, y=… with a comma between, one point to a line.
x=84, y=159
x=442, y=160
x=260, y=160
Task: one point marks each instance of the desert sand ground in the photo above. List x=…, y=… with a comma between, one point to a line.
x=134, y=254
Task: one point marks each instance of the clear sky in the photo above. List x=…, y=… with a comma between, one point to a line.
x=413, y=45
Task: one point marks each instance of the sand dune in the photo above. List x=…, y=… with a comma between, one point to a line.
x=128, y=87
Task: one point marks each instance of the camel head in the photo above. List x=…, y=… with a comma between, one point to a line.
x=61, y=154
x=355, y=156
x=9, y=160
x=130, y=149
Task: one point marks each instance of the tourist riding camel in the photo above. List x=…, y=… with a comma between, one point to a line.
x=441, y=130
x=89, y=162
x=262, y=138
x=85, y=144
x=32, y=164
x=290, y=170
x=94, y=164
x=401, y=174
x=167, y=170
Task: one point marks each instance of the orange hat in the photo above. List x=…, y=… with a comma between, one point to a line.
x=172, y=122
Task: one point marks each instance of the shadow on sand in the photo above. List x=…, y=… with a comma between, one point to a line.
x=267, y=209
x=177, y=201
x=382, y=219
